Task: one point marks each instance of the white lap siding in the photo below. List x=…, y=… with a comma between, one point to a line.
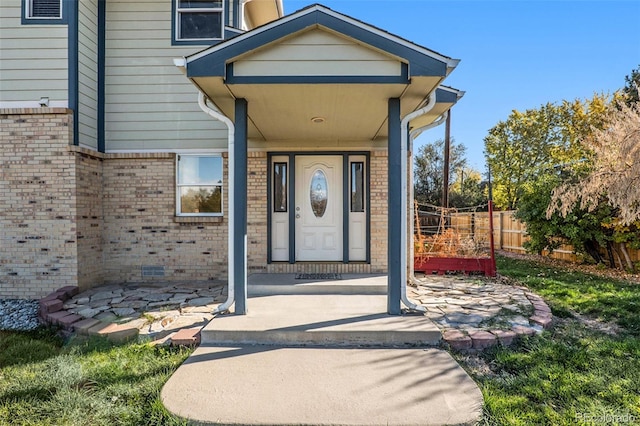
x=150, y=104
x=88, y=73
x=314, y=53
x=34, y=59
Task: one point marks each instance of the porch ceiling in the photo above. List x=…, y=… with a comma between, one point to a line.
x=284, y=112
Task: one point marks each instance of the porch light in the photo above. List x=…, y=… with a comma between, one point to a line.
x=318, y=120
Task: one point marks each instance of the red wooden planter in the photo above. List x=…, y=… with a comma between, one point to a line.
x=442, y=265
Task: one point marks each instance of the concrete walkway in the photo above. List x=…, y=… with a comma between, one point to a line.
x=274, y=385
x=321, y=353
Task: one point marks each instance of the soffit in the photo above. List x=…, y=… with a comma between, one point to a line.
x=350, y=111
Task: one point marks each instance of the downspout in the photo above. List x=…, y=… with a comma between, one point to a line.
x=412, y=136
x=404, y=135
x=214, y=112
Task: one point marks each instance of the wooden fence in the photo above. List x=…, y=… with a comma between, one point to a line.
x=509, y=233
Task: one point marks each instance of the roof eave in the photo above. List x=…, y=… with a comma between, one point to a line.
x=426, y=62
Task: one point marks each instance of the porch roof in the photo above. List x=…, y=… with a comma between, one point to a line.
x=319, y=64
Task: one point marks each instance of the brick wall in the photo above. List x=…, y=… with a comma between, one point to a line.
x=89, y=218
x=379, y=211
x=38, y=250
x=72, y=216
x=257, y=212
x=141, y=229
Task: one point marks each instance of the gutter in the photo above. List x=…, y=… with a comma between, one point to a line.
x=404, y=136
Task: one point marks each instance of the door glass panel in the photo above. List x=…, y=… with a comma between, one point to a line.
x=319, y=193
x=280, y=187
x=357, y=186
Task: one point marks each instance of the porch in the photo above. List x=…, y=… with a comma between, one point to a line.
x=321, y=95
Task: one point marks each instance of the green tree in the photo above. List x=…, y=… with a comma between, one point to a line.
x=468, y=189
x=533, y=152
x=518, y=150
x=631, y=87
x=613, y=180
x=534, y=144
x=429, y=169
x=580, y=228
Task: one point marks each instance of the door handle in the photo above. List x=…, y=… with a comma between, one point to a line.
x=297, y=216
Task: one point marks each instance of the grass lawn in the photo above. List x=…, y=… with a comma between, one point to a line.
x=83, y=382
x=586, y=370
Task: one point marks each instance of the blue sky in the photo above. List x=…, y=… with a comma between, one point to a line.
x=514, y=54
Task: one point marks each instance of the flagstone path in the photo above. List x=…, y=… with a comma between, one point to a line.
x=161, y=313
x=477, y=313
x=473, y=313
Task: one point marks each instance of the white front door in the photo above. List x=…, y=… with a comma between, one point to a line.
x=319, y=208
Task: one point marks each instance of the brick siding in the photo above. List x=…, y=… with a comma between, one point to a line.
x=73, y=216
x=257, y=212
x=90, y=221
x=379, y=211
x=141, y=228
x=38, y=251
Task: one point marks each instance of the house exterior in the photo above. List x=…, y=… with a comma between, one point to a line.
x=162, y=140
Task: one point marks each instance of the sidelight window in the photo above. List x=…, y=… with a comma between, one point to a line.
x=280, y=187
x=357, y=186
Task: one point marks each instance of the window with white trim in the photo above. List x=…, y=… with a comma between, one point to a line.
x=43, y=9
x=198, y=20
x=199, y=185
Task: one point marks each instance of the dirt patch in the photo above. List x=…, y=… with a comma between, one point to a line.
x=610, y=328
x=476, y=366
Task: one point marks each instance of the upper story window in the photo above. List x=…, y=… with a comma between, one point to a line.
x=198, y=20
x=42, y=12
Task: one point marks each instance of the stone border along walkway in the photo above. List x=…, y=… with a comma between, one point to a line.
x=473, y=313
x=161, y=313
x=476, y=313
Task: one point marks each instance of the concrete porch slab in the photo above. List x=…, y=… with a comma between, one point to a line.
x=283, y=310
x=271, y=385
x=321, y=319
x=270, y=284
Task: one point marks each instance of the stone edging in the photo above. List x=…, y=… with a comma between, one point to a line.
x=476, y=340
x=52, y=312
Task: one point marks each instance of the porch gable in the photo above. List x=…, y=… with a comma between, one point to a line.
x=312, y=53
x=422, y=62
